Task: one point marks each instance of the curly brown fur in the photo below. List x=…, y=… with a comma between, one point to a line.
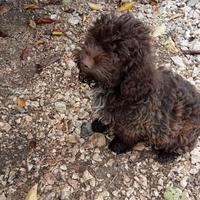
x=139, y=101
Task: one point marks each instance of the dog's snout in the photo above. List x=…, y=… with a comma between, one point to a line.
x=88, y=62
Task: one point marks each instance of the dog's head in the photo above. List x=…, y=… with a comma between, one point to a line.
x=114, y=48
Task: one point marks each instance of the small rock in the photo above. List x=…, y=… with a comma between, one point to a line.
x=195, y=155
x=75, y=176
x=74, y=20
x=195, y=45
x=5, y=126
x=72, y=139
x=87, y=176
x=2, y=197
x=60, y=107
x=196, y=72
x=86, y=130
x=66, y=192
x=93, y=182
x=74, y=183
x=63, y=167
x=96, y=140
x=183, y=182
x=96, y=157
x=102, y=195
x=139, y=147
x=178, y=61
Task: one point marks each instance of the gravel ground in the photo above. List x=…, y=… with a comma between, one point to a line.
x=42, y=107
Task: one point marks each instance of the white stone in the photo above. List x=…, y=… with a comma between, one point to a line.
x=96, y=157
x=60, y=106
x=178, y=61
x=63, y=167
x=195, y=155
x=87, y=176
x=183, y=182
x=195, y=45
x=5, y=126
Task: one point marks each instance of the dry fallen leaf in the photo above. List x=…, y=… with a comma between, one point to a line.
x=30, y=6
x=24, y=53
x=170, y=46
x=21, y=102
x=32, y=194
x=159, y=30
x=3, y=9
x=38, y=42
x=155, y=5
x=95, y=6
x=44, y=20
x=126, y=6
x=177, y=15
x=32, y=24
x=2, y=34
x=57, y=33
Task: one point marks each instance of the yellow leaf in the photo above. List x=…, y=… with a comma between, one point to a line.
x=21, y=102
x=95, y=6
x=126, y=6
x=30, y=6
x=159, y=30
x=32, y=24
x=57, y=33
x=32, y=194
x=38, y=42
x=170, y=46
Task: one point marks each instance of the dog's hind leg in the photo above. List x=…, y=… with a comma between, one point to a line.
x=117, y=146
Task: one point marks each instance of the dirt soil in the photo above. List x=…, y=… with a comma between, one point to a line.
x=42, y=107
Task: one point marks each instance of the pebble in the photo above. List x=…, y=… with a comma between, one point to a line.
x=66, y=192
x=3, y=197
x=102, y=195
x=183, y=182
x=195, y=45
x=96, y=157
x=86, y=130
x=74, y=20
x=63, y=167
x=178, y=61
x=195, y=155
x=60, y=107
x=87, y=176
x=5, y=126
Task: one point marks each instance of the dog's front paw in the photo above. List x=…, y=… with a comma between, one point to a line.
x=98, y=126
x=118, y=147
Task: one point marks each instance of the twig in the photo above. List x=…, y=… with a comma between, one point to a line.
x=191, y=52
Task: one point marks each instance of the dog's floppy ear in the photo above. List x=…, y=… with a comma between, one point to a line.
x=137, y=83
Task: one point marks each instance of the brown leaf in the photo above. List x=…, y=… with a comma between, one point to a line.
x=32, y=24
x=24, y=53
x=30, y=6
x=2, y=34
x=21, y=102
x=126, y=6
x=155, y=5
x=32, y=144
x=3, y=9
x=44, y=20
x=39, y=68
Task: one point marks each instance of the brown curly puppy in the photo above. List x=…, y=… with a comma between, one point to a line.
x=137, y=100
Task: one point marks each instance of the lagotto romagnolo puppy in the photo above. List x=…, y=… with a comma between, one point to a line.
x=140, y=102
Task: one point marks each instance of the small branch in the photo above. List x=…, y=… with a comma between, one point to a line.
x=191, y=52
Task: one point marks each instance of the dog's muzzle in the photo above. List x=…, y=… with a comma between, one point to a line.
x=88, y=80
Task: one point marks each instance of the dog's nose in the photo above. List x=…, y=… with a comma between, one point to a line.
x=88, y=62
